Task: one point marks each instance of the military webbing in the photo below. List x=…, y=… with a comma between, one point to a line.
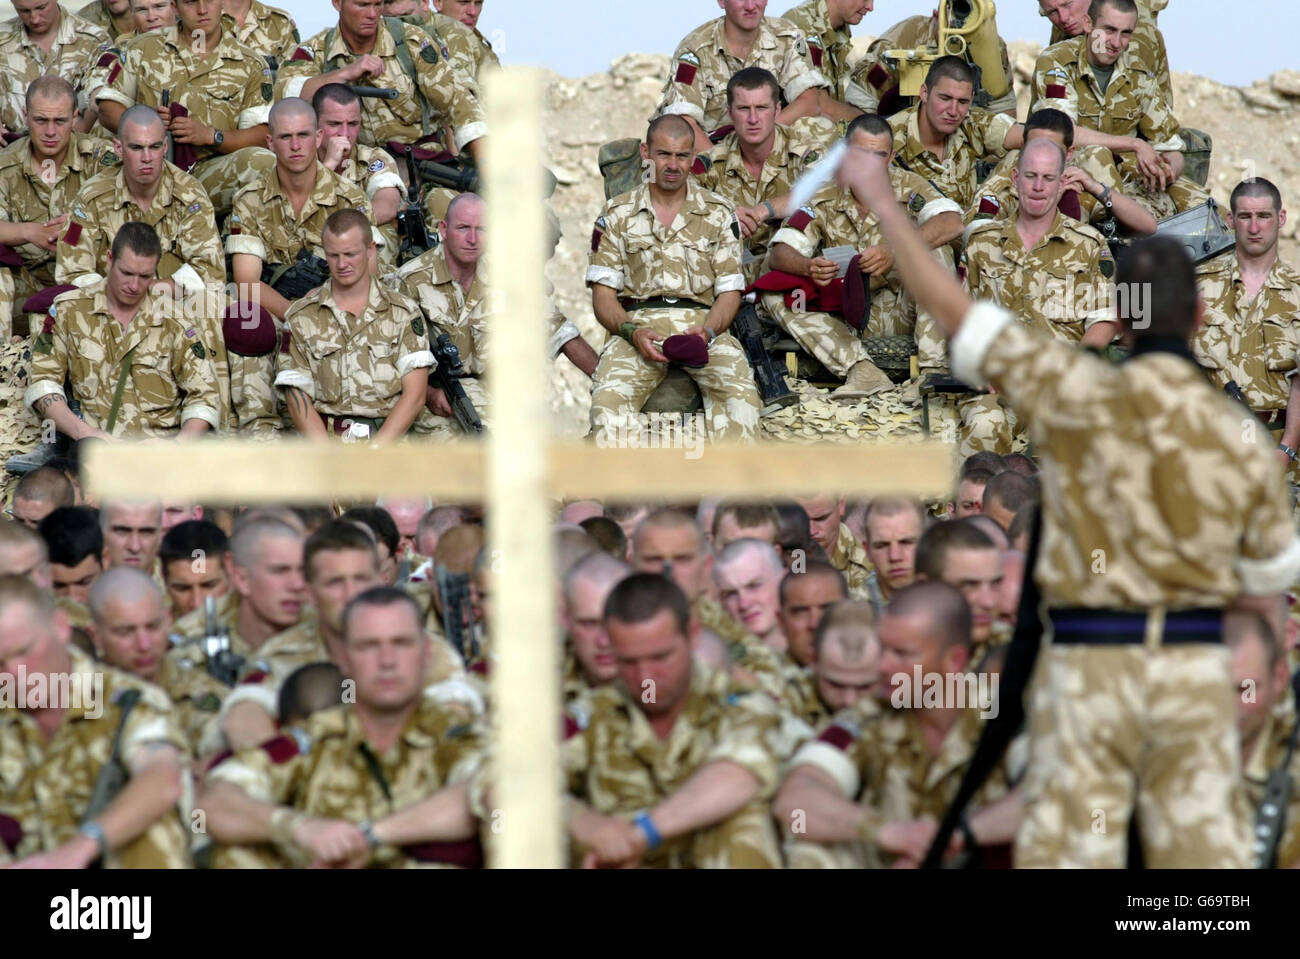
x=122, y=374
x=397, y=29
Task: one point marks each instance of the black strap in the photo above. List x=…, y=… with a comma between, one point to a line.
x=1002, y=728
x=377, y=771
x=113, y=774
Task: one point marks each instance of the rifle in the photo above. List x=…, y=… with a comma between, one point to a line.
x=113, y=774
x=446, y=376
x=165, y=101
x=772, y=388
x=411, y=225
x=223, y=663
x=1270, y=818
x=296, y=279
x=381, y=93
x=457, y=612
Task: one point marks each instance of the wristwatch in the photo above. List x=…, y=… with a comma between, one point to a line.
x=218, y=138
x=626, y=331
x=712, y=336
x=1105, y=197
x=367, y=829
x=1290, y=453
x=96, y=832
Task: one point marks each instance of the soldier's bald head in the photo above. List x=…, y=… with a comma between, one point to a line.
x=142, y=118
x=122, y=585
x=462, y=205
x=670, y=126
x=291, y=108
x=51, y=88
x=1044, y=147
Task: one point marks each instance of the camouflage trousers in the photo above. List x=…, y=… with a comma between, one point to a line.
x=624, y=380
x=1180, y=196
x=746, y=840
x=985, y=423
x=835, y=344
x=221, y=176
x=1119, y=729
x=931, y=344
x=15, y=288
x=256, y=406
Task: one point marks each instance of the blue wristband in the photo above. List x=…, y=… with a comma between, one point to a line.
x=653, y=839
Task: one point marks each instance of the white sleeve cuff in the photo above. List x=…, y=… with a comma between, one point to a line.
x=411, y=361
x=999, y=127
x=566, y=332
x=795, y=240
x=1174, y=144
x=188, y=279
x=934, y=208
x=85, y=279
x=264, y=696
x=684, y=108
x=732, y=282
x=242, y=243
x=1260, y=577
x=1097, y=316
x=605, y=276
x=469, y=133
x=108, y=93
x=238, y=774
x=1065, y=106
x=834, y=762
x=293, y=86
x=858, y=96
x=252, y=117
x=202, y=412
x=458, y=691
x=41, y=388
x=805, y=82
x=382, y=181
x=298, y=380
x=978, y=331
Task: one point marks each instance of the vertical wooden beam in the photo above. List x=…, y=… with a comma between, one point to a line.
x=525, y=668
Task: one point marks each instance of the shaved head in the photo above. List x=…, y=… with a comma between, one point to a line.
x=289, y=108
x=122, y=585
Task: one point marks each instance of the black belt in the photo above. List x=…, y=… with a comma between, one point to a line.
x=661, y=303
x=1080, y=625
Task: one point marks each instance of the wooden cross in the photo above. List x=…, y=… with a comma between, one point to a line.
x=522, y=473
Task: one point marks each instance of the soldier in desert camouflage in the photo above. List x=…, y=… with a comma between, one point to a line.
x=45, y=39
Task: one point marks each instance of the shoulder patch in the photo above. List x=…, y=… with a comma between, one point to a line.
x=108, y=158
x=302, y=53
x=417, y=326
x=280, y=749
x=376, y=166
x=208, y=703
x=197, y=350
x=812, y=156
x=815, y=50
x=427, y=53
x=1107, y=262
x=597, y=233
x=878, y=76
x=841, y=734
x=688, y=64
x=73, y=236
x=268, y=92
x=916, y=203
x=801, y=218
x=195, y=207
x=79, y=213
x=702, y=164
x=989, y=205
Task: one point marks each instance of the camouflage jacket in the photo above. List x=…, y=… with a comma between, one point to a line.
x=353, y=365
x=981, y=136
x=1146, y=474
x=1061, y=286
x=697, y=257
x=1254, y=343
x=702, y=66
x=171, y=378
x=46, y=787
x=829, y=48
x=998, y=200
x=267, y=31
x=263, y=223
x=1147, y=46
x=77, y=44
x=448, y=93
x=448, y=307
x=325, y=772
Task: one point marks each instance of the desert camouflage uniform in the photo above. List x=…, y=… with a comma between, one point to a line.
x=196, y=698
x=263, y=223
x=879, y=757
x=449, y=94
x=331, y=771
x=46, y=787
x=616, y=764
x=267, y=31
x=229, y=89
x=801, y=695
x=1252, y=343
x=698, y=258
x=96, y=12
x=794, y=149
x=997, y=199
x=1147, y=478
x=877, y=77
x=1131, y=106
x=193, y=626
x=833, y=219
x=981, y=136
x=850, y=557
x=1268, y=755
x=463, y=47
x=1060, y=287
x=462, y=314
x=353, y=366
x=830, y=50
x=26, y=197
x=171, y=378
x=573, y=683
x=77, y=44
x=755, y=665
x=702, y=67
x=1147, y=46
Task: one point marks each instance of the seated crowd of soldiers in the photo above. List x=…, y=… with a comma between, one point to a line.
x=743, y=682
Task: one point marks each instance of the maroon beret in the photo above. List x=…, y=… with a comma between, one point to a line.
x=856, y=299
x=40, y=302
x=686, y=349
x=1069, y=204
x=9, y=256
x=248, y=335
